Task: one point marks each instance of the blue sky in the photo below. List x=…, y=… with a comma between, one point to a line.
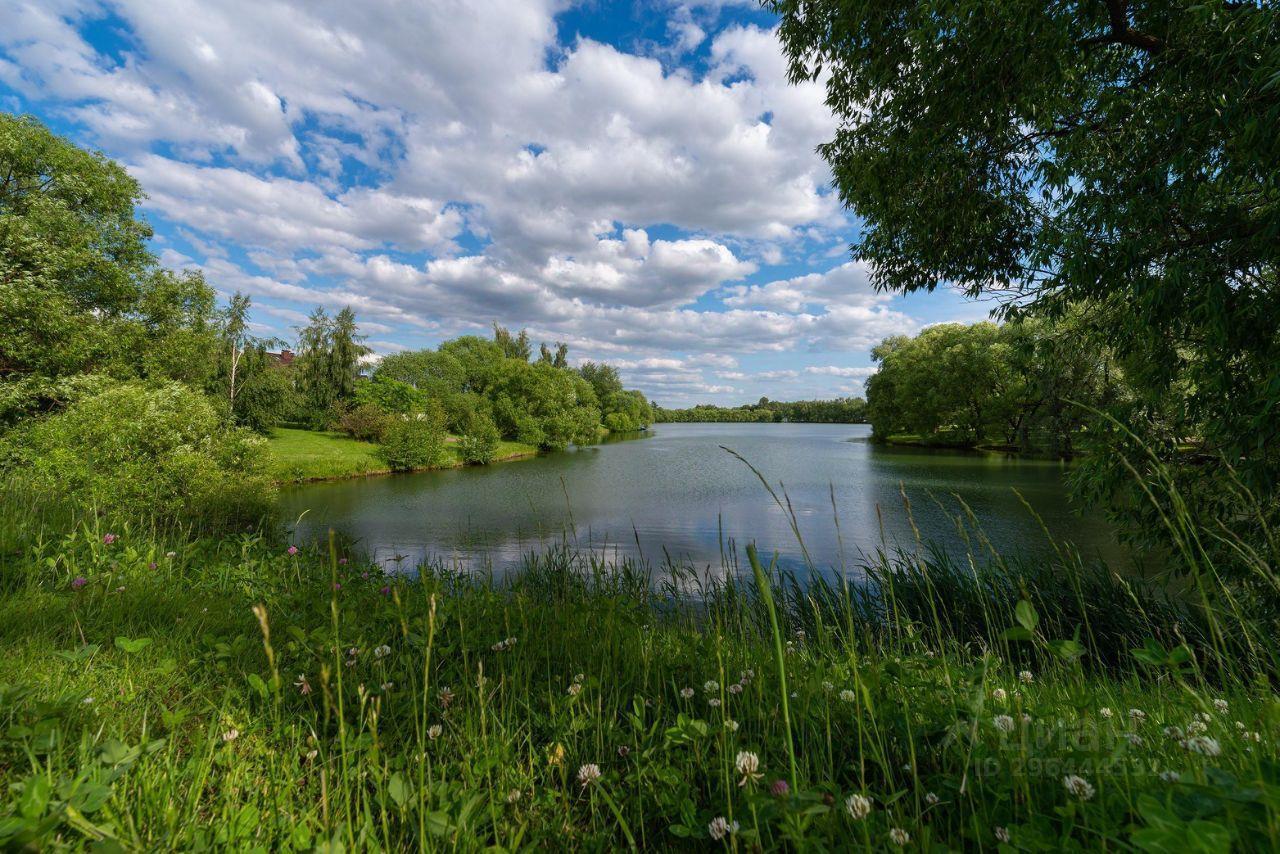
x=635, y=179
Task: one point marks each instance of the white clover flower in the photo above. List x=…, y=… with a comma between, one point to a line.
x=748, y=767
x=1173, y=732
x=1203, y=716
x=1196, y=727
x=231, y=734
x=735, y=688
x=846, y=695
x=1170, y=776
x=446, y=696
x=828, y=687
x=387, y=686
x=711, y=686
x=513, y=796
x=588, y=774
x=1203, y=744
x=1106, y=712
x=1078, y=786
x=748, y=675
x=720, y=827
x=87, y=701
x=434, y=731
x=731, y=725
x=931, y=799
x=857, y=806
x=1002, y=834
x=575, y=688
x=1133, y=738
x=353, y=652
x=1004, y=723
x=1025, y=677
x=1000, y=695
x=578, y=677
x=713, y=702
x=499, y=646
x=1221, y=705
x=381, y=651
x=899, y=837
x=686, y=692
x=1137, y=715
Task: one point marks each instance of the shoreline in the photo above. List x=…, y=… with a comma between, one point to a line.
x=386, y=472
x=309, y=456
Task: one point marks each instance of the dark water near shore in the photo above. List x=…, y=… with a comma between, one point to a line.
x=674, y=493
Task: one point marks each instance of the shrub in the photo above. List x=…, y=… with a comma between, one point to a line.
x=478, y=443
x=415, y=442
x=149, y=452
x=366, y=422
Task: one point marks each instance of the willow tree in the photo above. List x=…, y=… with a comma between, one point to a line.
x=1120, y=155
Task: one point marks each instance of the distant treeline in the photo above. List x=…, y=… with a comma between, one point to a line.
x=843, y=410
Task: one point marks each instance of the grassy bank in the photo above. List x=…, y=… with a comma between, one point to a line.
x=240, y=694
x=301, y=455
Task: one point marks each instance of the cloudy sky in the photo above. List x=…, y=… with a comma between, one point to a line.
x=637, y=179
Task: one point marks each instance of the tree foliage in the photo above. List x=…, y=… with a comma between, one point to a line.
x=489, y=390
x=1018, y=385
x=330, y=350
x=80, y=292
x=1120, y=154
x=158, y=452
x=843, y=410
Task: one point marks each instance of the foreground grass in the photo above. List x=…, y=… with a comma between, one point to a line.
x=230, y=694
x=301, y=455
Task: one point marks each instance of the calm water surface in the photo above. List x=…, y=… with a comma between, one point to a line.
x=675, y=492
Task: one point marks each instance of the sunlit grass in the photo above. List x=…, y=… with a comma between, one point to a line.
x=300, y=455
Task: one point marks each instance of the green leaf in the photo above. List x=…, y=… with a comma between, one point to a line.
x=90, y=797
x=1067, y=650
x=131, y=645
x=1026, y=615
x=398, y=789
x=256, y=683
x=35, y=797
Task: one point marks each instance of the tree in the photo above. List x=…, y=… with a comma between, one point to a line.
x=347, y=349
x=315, y=341
x=1119, y=153
x=517, y=347
x=330, y=351
x=80, y=291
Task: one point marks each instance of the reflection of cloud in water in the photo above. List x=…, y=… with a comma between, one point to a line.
x=676, y=497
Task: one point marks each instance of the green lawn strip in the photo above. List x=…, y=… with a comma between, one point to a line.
x=303, y=455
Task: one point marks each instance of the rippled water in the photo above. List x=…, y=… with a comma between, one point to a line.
x=676, y=492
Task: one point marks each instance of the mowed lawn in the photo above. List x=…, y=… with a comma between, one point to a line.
x=298, y=455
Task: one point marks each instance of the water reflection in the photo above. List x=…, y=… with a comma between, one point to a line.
x=675, y=494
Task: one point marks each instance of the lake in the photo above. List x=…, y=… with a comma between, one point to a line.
x=674, y=492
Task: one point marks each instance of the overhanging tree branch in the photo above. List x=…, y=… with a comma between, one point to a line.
x=1122, y=33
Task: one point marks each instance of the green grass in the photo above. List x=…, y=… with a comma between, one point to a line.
x=228, y=694
x=300, y=455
